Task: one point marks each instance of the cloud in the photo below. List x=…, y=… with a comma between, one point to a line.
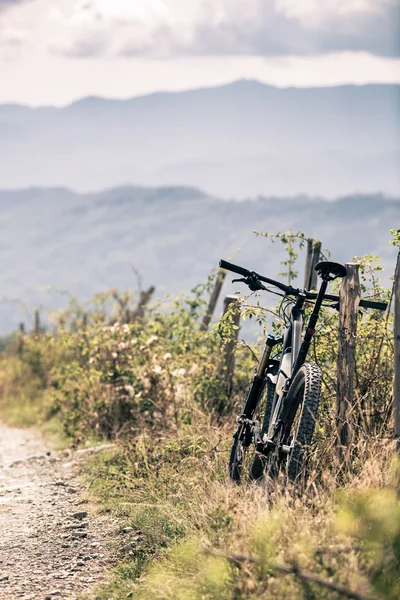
x=12, y=37
x=298, y=27
x=6, y=6
x=9, y=3
x=166, y=28
x=111, y=27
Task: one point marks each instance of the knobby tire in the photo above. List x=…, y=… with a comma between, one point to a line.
x=304, y=396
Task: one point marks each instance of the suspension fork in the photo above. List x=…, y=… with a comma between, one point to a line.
x=259, y=377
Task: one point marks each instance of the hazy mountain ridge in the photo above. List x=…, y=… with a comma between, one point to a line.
x=236, y=140
x=87, y=243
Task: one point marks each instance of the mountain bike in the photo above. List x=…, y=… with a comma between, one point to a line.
x=281, y=426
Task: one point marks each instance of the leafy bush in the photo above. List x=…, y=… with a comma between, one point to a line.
x=113, y=377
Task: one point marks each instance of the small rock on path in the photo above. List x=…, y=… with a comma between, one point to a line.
x=42, y=552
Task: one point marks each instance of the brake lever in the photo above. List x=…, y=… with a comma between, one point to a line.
x=252, y=282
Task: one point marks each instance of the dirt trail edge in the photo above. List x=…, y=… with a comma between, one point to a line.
x=51, y=544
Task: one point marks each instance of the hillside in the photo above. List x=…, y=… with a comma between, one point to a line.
x=87, y=243
x=236, y=140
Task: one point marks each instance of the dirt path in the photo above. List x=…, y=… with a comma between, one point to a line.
x=47, y=549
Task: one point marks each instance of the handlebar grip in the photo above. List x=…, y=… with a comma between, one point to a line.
x=234, y=268
x=363, y=303
x=371, y=304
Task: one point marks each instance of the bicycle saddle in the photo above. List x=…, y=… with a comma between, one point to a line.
x=328, y=271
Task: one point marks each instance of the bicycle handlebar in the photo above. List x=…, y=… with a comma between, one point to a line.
x=224, y=264
x=288, y=289
x=291, y=291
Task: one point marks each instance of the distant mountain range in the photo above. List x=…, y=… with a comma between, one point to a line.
x=87, y=243
x=238, y=140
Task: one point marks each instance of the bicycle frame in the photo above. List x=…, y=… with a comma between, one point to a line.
x=298, y=347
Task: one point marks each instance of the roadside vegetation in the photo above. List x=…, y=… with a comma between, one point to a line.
x=156, y=388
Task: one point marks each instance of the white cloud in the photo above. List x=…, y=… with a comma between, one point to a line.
x=268, y=27
x=9, y=3
x=123, y=48
x=126, y=11
x=104, y=27
x=318, y=12
x=167, y=28
x=260, y=27
x=12, y=36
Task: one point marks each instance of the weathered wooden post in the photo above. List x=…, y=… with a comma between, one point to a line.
x=348, y=311
x=312, y=259
x=307, y=269
x=314, y=262
x=36, y=328
x=219, y=280
x=396, y=331
x=227, y=365
x=21, y=339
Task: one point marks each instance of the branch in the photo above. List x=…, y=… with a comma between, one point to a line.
x=293, y=570
x=251, y=350
x=272, y=311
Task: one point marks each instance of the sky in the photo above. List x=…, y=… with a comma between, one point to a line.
x=55, y=51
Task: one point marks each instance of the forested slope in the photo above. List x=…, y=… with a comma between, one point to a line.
x=174, y=236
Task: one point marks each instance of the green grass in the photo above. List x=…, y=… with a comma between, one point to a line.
x=180, y=508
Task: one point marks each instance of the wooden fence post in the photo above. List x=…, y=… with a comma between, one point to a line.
x=315, y=261
x=307, y=269
x=396, y=331
x=219, y=280
x=348, y=311
x=312, y=259
x=227, y=366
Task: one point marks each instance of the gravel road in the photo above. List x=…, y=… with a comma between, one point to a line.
x=52, y=545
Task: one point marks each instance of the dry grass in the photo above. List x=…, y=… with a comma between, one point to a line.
x=177, y=498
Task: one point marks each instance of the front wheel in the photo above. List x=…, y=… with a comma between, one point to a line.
x=302, y=400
